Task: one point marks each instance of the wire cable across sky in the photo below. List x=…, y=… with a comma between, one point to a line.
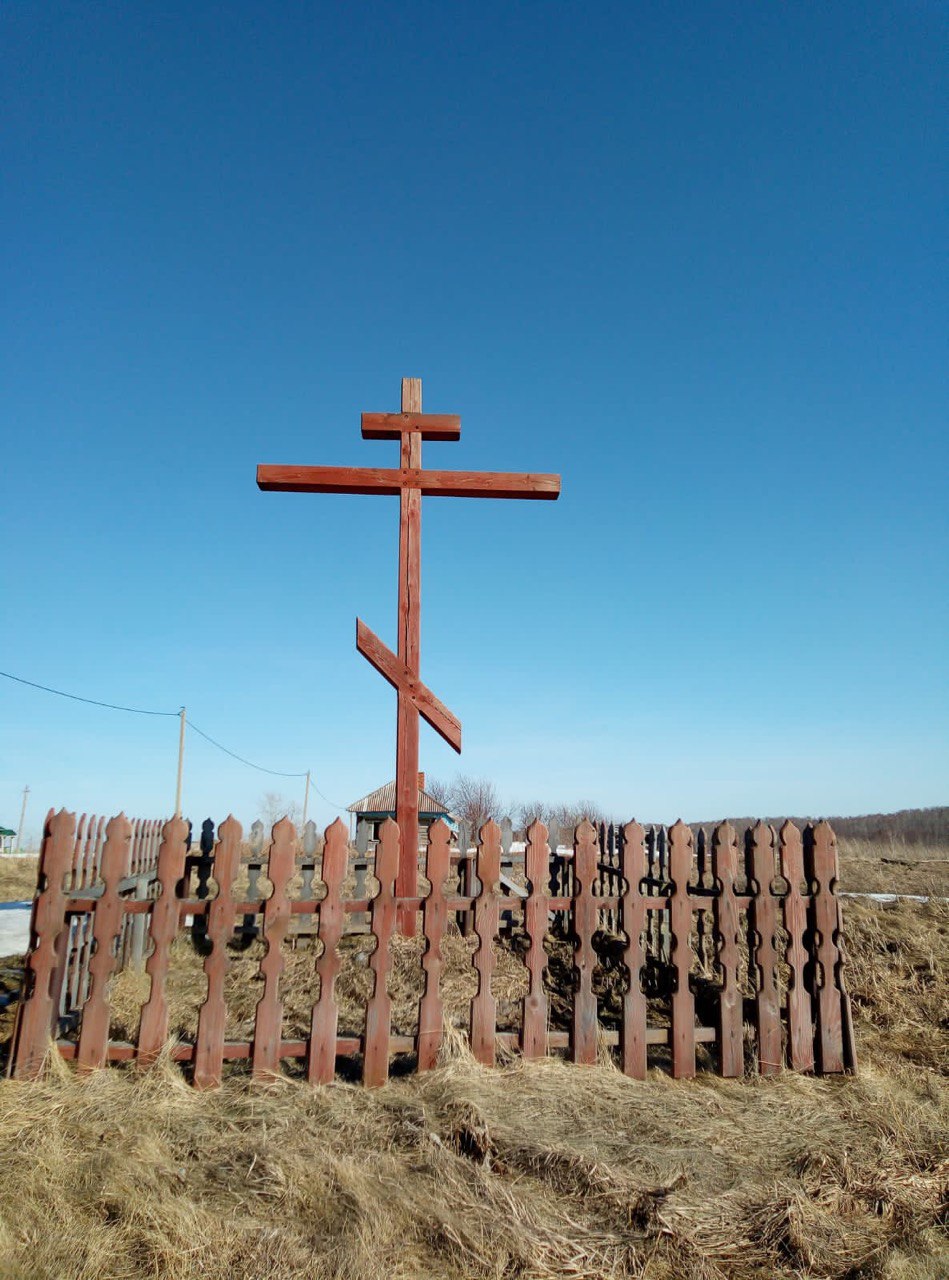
x=142, y=711
x=94, y=702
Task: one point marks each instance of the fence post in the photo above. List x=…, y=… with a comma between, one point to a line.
x=800, y=1029
x=434, y=919
x=632, y=920
x=725, y=871
x=212, y=1016
x=375, y=1066
x=534, y=1013
x=765, y=959
x=93, y=1047
x=268, y=1020
x=486, y=923
x=321, y=1060
x=584, y=1023
x=36, y=1020
x=680, y=924
x=822, y=848
x=69, y=945
x=153, y=1025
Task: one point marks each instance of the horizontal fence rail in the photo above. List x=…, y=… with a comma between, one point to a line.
x=720, y=952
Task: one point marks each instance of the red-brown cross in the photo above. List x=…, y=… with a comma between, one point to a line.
x=410, y=481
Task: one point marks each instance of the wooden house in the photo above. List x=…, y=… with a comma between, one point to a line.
x=372, y=810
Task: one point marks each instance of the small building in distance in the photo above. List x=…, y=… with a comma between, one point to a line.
x=372, y=810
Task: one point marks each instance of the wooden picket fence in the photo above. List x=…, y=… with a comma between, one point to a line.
x=75, y=942
x=761, y=915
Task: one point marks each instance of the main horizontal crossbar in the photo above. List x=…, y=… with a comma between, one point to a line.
x=437, y=484
x=400, y=677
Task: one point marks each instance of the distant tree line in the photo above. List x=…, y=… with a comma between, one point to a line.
x=474, y=800
x=907, y=826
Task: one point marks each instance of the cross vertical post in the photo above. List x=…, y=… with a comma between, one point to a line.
x=410, y=612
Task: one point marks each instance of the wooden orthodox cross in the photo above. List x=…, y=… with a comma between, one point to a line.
x=409, y=481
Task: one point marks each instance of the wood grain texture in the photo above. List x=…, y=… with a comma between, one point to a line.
x=212, y=1016
x=81, y=877
x=379, y=1006
x=321, y=1062
x=632, y=919
x=268, y=1021
x=37, y=1018
x=485, y=924
x=277, y=478
x=163, y=927
x=680, y=912
x=584, y=1020
x=821, y=845
x=411, y=396
x=393, y=669
x=409, y=654
x=434, y=920
x=94, y=1031
x=392, y=426
x=728, y=942
x=764, y=924
x=800, y=1026
x=534, y=1010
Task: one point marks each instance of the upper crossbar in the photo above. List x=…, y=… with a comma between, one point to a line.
x=392, y=426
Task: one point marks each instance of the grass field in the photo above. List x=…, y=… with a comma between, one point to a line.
x=17, y=878
x=531, y=1171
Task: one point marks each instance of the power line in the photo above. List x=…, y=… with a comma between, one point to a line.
x=113, y=706
x=276, y=772
x=338, y=807
x=139, y=711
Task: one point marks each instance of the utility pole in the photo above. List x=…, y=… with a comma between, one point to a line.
x=181, y=761
x=306, y=798
x=19, y=830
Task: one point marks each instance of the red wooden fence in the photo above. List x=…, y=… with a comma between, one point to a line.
x=733, y=962
x=82, y=876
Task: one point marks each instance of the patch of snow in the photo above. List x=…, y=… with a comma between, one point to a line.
x=14, y=927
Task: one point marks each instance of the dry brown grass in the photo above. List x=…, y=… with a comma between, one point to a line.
x=870, y=867
x=17, y=878
x=532, y=1171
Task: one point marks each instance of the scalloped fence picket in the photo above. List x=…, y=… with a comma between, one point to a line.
x=672, y=948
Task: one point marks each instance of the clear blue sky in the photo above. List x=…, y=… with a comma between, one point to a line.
x=691, y=256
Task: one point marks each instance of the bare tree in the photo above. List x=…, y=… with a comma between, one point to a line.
x=565, y=818
x=472, y=800
x=272, y=806
x=533, y=811
x=439, y=791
